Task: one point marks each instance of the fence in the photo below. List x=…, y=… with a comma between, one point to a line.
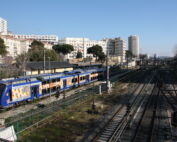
x=40, y=116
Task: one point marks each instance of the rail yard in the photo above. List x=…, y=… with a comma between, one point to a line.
x=141, y=106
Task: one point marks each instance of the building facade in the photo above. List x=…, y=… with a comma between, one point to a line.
x=116, y=48
x=133, y=45
x=53, y=39
x=17, y=46
x=81, y=45
x=120, y=46
x=3, y=26
x=110, y=44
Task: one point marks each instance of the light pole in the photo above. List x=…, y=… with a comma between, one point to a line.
x=49, y=78
x=107, y=79
x=44, y=60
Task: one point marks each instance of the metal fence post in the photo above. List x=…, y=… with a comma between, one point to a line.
x=100, y=91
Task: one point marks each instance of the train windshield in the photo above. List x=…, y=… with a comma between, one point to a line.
x=2, y=87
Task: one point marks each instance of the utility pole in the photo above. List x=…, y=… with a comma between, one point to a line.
x=44, y=60
x=107, y=66
x=49, y=78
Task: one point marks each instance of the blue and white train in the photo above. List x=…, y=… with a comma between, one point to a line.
x=15, y=91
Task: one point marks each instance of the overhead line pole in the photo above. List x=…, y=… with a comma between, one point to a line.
x=44, y=60
x=49, y=76
x=107, y=66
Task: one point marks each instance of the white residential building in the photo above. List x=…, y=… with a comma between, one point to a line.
x=13, y=45
x=116, y=47
x=18, y=46
x=44, y=38
x=82, y=44
x=3, y=26
x=110, y=43
x=120, y=46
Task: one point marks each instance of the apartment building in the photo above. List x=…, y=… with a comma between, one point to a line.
x=53, y=39
x=110, y=44
x=119, y=50
x=116, y=48
x=82, y=44
x=13, y=45
x=17, y=46
x=3, y=26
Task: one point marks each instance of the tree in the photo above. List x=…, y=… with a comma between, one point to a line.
x=128, y=54
x=36, y=52
x=143, y=56
x=96, y=50
x=79, y=54
x=36, y=45
x=21, y=61
x=101, y=57
x=52, y=54
x=63, y=48
x=37, y=55
x=3, y=50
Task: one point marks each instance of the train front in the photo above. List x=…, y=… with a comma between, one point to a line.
x=2, y=90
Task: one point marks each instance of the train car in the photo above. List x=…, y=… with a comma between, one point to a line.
x=18, y=90
x=15, y=91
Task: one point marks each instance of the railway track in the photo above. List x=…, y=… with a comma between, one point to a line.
x=162, y=130
x=168, y=90
x=170, y=95
x=115, y=127
x=145, y=126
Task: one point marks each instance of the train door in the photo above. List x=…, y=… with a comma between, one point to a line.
x=78, y=77
x=87, y=78
x=64, y=83
x=34, y=91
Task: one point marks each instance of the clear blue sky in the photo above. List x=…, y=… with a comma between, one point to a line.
x=155, y=21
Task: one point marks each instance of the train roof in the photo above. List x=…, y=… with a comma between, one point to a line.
x=46, y=76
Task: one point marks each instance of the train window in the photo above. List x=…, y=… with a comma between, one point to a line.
x=2, y=87
x=44, y=91
x=57, y=88
x=54, y=89
x=48, y=90
x=53, y=80
x=73, y=80
x=58, y=79
x=43, y=83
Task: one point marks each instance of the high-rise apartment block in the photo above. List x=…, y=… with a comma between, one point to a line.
x=116, y=47
x=120, y=46
x=3, y=26
x=133, y=45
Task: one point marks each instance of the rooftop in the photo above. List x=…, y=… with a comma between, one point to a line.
x=52, y=64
